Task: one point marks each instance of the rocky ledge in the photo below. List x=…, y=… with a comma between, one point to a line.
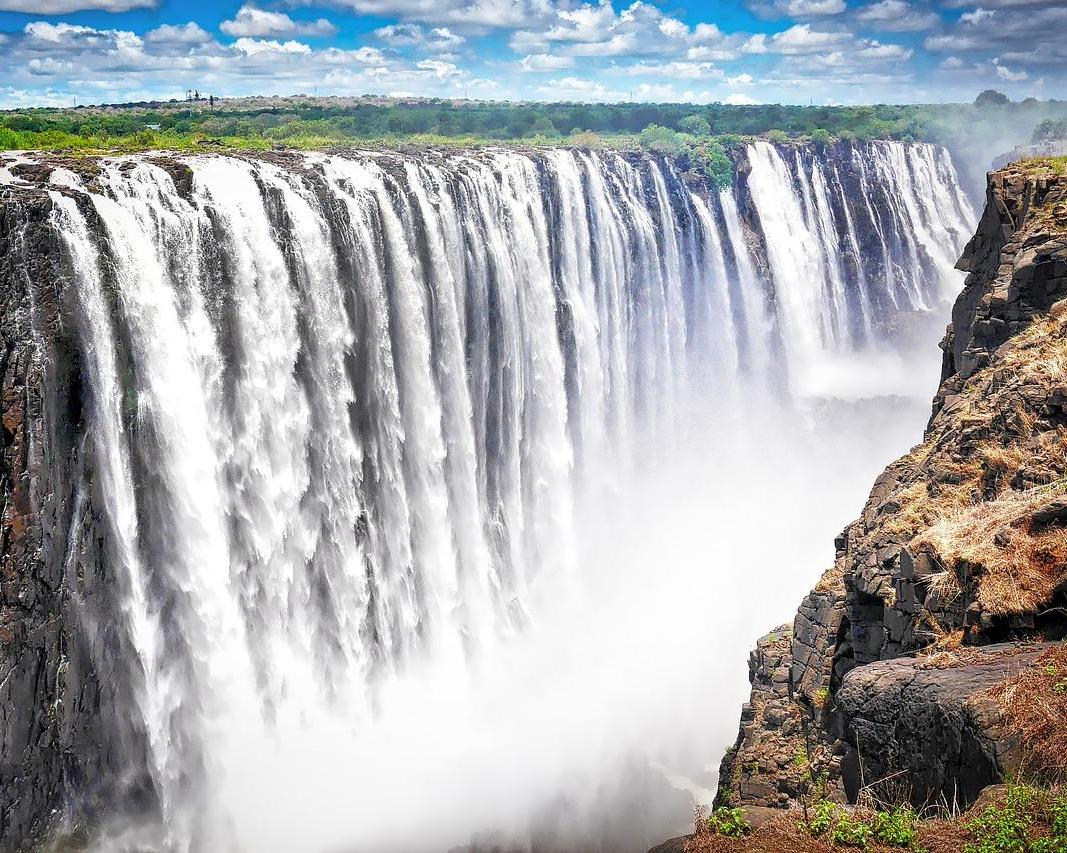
x=900, y=674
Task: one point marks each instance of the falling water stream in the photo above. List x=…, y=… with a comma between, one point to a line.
x=397, y=457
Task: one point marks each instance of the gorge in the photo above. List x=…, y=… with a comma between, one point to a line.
x=300, y=450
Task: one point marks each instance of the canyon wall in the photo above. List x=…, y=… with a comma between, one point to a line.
x=953, y=577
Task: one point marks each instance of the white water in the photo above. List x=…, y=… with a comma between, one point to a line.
x=449, y=492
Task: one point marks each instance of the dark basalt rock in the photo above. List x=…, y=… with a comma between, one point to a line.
x=59, y=727
x=928, y=724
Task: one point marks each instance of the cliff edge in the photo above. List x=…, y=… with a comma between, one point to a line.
x=924, y=664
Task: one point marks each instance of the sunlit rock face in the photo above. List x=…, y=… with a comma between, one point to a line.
x=286, y=435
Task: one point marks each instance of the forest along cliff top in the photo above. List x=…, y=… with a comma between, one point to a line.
x=928, y=662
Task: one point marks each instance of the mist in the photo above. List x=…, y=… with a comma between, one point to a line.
x=599, y=725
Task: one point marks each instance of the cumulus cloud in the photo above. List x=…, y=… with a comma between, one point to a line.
x=466, y=13
x=798, y=39
x=545, y=62
x=1006, y=74
x=439, y=69
x=797, y=8
x=1030, y=35
x=675, y=70
x=187, y=34
x=251, y=46
x=260, y=23
x=436, y=40
x=742, y=79
x=739, y=99
x=897, y=16
x=641, y=29
x=977, y=16
x=64, y=7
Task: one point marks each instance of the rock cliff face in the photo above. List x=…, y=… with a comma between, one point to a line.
x=56, y=695
x=961, y=543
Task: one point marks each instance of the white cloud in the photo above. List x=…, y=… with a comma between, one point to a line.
x=977, y=16
x=259, y=23
x=545, y=62
x=806, y=8
x=742, y=79
x=64, y=7
x=468, y=13
x=401, y=35
x=1005, y=73
x=190, y=33
x=877, y=52
x=641, y=29
x=897, y=16
x=739, y=99
x=252, y=47
x=798, y=39
x=439, y=69
x=675, y=70
x=437, y=40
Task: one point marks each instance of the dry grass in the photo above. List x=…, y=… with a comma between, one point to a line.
x=1047, y=335
x=1017, y=567
x=1034, y=704
x=920, y=505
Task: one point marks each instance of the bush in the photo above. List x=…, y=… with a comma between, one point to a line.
x=696, y=125
x=777, y=137
x=712, y=161
x=729, y=822
x=1004, y=829
x=662, y=140
x=821, y=136
x=898, y=828
x=991, y=98
x=851, y=832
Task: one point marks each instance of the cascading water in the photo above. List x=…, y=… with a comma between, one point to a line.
x=350, y=419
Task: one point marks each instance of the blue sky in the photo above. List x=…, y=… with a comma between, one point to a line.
x=748, y=51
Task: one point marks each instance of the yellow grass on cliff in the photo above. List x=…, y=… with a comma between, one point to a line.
x=1034, y=704
x=975, y=519
x=1016, y=563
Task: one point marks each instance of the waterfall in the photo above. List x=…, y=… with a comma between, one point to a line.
x=344, y=411
x=851, y=239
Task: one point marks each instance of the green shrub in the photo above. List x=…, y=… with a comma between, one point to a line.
x=1004, y=829
x=851, y=832
x=710, y=158
x=777, y=136
x=823, y=818
x=1057, y=841
x=663, y=140
x=828, y=820
x=897, y=828
x=729, y=822
x=821, y=136
x=696, y=125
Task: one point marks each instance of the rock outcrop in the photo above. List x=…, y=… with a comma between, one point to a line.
x=961, y=543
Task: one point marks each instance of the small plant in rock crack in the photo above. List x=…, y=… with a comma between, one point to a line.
x=729, y=822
